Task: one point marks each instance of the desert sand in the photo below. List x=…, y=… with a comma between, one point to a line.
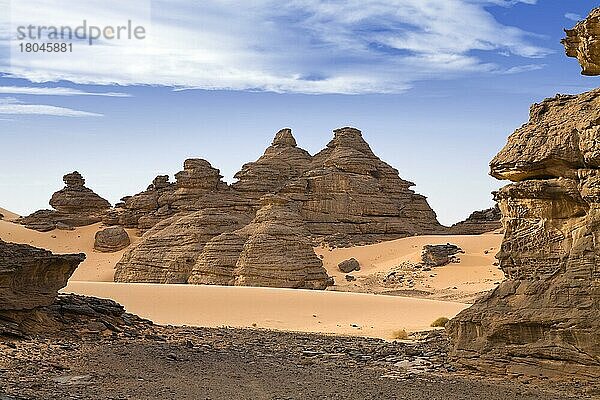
x=98, y=267
x=463, y=281
x=367, y=313
x=282, y=309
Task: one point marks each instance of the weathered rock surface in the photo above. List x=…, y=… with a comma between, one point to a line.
x=437, y=255
x=583, y=43
x=478, y=222
x=111, y=239
x=74, y=205
x=349, y=265
x=274, y=250
x=31, y=277
x=545, y=318
x=349, y=196
x=168, y=251
x=282, y=162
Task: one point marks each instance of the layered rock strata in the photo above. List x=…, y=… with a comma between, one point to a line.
x=31, y=277
x=74, y=205
x=478, y=222
x=274, y=250
x=349, y=196
x=583, y=43
x=545, y=318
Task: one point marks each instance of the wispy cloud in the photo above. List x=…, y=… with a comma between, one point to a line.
x=55, y=91
x=573, y=17
x=12, y=106
x=306, y=46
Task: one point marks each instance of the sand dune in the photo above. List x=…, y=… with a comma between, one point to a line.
x=474, y=274
x=281, y=309
x=8, y=216
x=98, y=267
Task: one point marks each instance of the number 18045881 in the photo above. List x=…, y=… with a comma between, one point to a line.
x=46, y=47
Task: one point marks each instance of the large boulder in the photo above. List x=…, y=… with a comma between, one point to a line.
x=545, y=318
x=274, y=250
x=111, y=239
x=31, y=277
x=583, y=43
x=74, y=205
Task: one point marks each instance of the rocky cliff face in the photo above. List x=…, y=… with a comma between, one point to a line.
x=478, y=222
x=583, y=43
x=350, y=196
x=31, y=277
x=74, y=205
x=274, y=250
x=545, y=318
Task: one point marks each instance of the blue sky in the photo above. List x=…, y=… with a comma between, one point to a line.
x=436, y=86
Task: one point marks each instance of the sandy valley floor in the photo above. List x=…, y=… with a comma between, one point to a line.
x=379, y=307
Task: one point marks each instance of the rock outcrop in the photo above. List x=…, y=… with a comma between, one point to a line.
x=74, y=205
x=111, y=239
x=31, y=277
x=545, y=318
x=282, y=162
x=344, y=195
x=583, y=43
x=168, y=251
x=349, y=265
x=349, y=196
x=478, y=222
x=274, y=250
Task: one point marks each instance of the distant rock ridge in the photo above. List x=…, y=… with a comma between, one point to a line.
x=545, y=318
x=74, y=205
x=583, y=43
x=484, y=221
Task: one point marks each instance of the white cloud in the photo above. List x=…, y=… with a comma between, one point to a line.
x=307, y=46
x=55, y=91
x=573, y=17
x=12, y=106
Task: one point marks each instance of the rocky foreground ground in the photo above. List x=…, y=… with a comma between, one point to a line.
x=139, y=360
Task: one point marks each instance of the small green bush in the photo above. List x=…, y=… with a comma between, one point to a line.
x=440, y=322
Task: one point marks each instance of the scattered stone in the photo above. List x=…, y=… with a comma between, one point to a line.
x=350, y=278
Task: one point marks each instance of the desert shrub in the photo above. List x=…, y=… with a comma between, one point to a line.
x=440, y=322
x=400, y=334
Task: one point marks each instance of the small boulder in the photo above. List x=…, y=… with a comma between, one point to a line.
x=111, y=239
x=349, y=266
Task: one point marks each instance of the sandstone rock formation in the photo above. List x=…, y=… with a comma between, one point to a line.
x=282, y=162
x=31, y=277
x=349, y=196
x=583, y=43
x=478, y=222
x=545, y=318
x=74, y=205
x=111, y=239
x=168, y=251
x=345, y=195
x=274, y=250
x=349, y=265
